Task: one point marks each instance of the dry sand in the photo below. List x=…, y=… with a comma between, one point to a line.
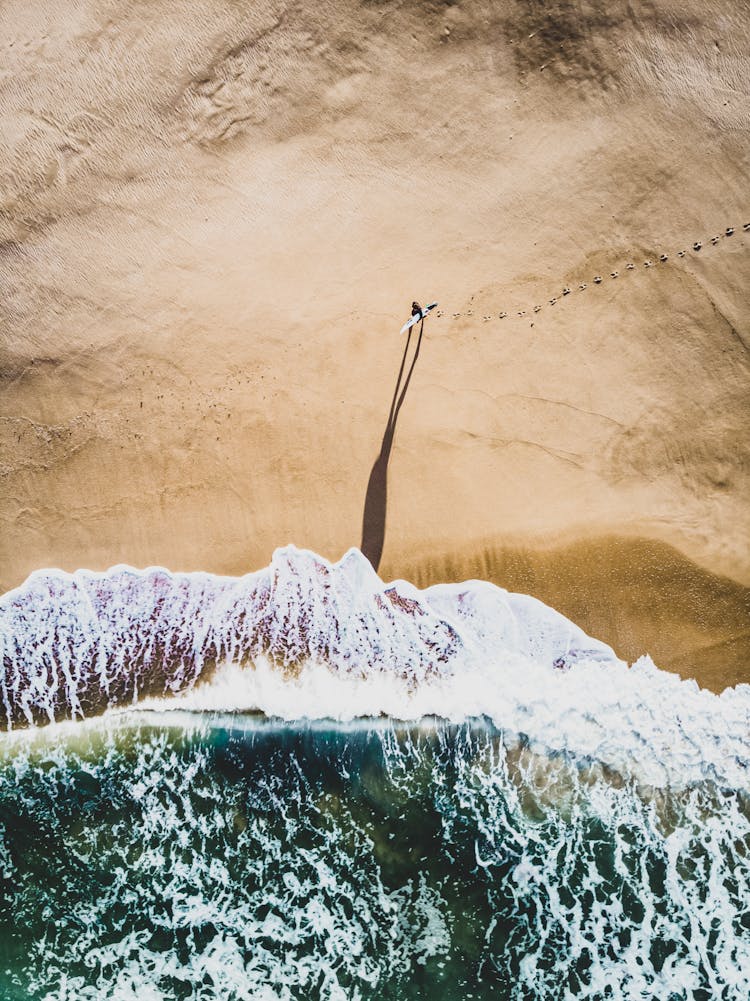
x=214, y=216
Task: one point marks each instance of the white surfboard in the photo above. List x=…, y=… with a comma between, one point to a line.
x=417, y=317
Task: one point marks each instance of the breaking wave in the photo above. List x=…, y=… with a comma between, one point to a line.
x=546, y=822
x=305, y=638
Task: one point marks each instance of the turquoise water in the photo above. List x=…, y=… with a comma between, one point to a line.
x=189, y=856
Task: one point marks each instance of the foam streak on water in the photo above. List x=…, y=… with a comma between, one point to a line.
x=234, y=859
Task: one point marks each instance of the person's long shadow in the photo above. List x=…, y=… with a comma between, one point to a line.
x=376, y=499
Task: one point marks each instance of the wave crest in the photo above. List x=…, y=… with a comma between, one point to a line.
x=72, y=645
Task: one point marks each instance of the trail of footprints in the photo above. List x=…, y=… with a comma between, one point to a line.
x=598, y=279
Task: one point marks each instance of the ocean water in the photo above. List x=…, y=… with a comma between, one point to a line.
x=309, y=784
x=235, y=857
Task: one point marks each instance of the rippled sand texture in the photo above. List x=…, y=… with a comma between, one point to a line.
x=213, y=217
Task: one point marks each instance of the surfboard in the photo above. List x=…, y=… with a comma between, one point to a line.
x=419, y=316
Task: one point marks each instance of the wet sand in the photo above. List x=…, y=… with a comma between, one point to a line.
x=642, y=595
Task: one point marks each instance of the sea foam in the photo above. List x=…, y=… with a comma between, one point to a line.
x=75, y=644
x=305, y=638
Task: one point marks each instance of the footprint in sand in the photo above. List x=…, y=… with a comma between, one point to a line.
x=663, y=258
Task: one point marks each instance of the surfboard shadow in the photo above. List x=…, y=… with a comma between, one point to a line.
x=376, y=498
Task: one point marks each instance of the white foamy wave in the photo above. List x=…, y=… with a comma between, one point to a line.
x=645, y=724
x=308, y=639
x=72, y=645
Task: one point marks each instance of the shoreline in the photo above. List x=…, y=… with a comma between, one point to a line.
x=200, y=336
x=637, y=594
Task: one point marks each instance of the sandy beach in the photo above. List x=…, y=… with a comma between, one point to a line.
x=214, y=217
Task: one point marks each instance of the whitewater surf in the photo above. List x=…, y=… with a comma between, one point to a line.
x=309, y=783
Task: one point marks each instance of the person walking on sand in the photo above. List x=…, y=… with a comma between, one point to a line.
x=418, y=313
